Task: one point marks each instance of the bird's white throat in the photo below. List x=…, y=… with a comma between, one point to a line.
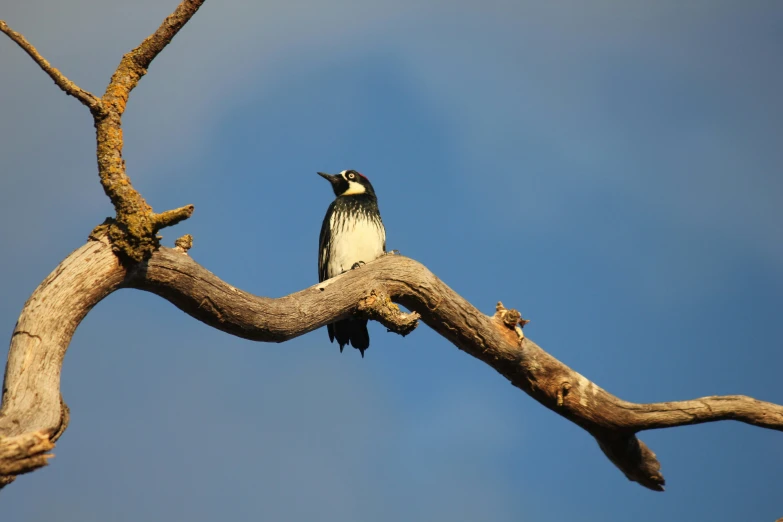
x=354, y=188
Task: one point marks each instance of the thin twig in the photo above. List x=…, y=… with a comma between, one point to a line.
x=87, y=98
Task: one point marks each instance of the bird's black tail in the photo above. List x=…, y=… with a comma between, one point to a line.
x=351, y=331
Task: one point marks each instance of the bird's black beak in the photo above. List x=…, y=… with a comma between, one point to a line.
x=331, y=178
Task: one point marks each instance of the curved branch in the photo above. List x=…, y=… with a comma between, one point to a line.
x=33, y=410
x=31, y=398
x=133, y=232
x=31, y=389
x=87, y=98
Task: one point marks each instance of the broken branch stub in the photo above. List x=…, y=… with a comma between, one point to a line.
x=378, y=306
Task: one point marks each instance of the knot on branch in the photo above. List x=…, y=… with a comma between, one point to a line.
x=562, y=393
x=23, y=453
x=133, y=235
x=510, y=319
x=132, y=240
x=184, y=243
x=378, y=306
x=634, y=459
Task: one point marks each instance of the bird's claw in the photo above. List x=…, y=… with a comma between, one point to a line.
x=392, y=253
x=358, y=264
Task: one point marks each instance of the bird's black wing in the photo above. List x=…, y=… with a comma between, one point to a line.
x=324, y=241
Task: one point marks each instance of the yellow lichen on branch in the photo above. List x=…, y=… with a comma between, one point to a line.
x=133, y=231
x=171, y=217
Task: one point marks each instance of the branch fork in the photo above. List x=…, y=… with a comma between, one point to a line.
x=125, y=252
x=134, y=229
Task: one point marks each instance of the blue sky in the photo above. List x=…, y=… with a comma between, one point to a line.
x=611, y=169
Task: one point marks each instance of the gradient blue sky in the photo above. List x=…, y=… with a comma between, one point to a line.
x=613, y=170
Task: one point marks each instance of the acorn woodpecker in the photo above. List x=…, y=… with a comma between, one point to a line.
x=352, y=234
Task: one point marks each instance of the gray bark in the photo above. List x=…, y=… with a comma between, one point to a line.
x=31, y=391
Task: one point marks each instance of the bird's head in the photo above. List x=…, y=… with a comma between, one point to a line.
x=349, y=183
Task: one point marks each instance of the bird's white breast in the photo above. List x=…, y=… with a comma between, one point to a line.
x=353, y=241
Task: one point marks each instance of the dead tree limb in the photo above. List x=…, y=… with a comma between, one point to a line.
x=87, y=98
x=24, y=453
x=125, y=253
x=133, y=230
x=31, y=400
x=132, y=233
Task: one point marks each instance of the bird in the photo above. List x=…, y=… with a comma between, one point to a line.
x=352, y=234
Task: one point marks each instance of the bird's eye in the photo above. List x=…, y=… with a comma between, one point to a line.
x=351, y=175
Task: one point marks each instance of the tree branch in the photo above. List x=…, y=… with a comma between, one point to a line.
x=706, y=409
x=33, y=414
x=87, y=98
x=133, y=231
x=135, y=63
x=170, y=218
x=24, y=453
x=31, y=399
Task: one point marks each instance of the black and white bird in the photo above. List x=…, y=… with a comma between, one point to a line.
x=352, y=234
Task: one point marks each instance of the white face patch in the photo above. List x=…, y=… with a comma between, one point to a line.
x=354, y=187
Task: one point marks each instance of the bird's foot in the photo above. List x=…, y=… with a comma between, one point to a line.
x=358, y=264
x=392, y=253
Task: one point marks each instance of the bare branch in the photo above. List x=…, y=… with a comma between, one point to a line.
x=135, y=63
x=706, y=409
x=87, y=98
x=24, y=453
x=42, y=334
x=33, y=414
x=31, y=400
x=171, y=217
x=632, y=456
x=134, y=231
